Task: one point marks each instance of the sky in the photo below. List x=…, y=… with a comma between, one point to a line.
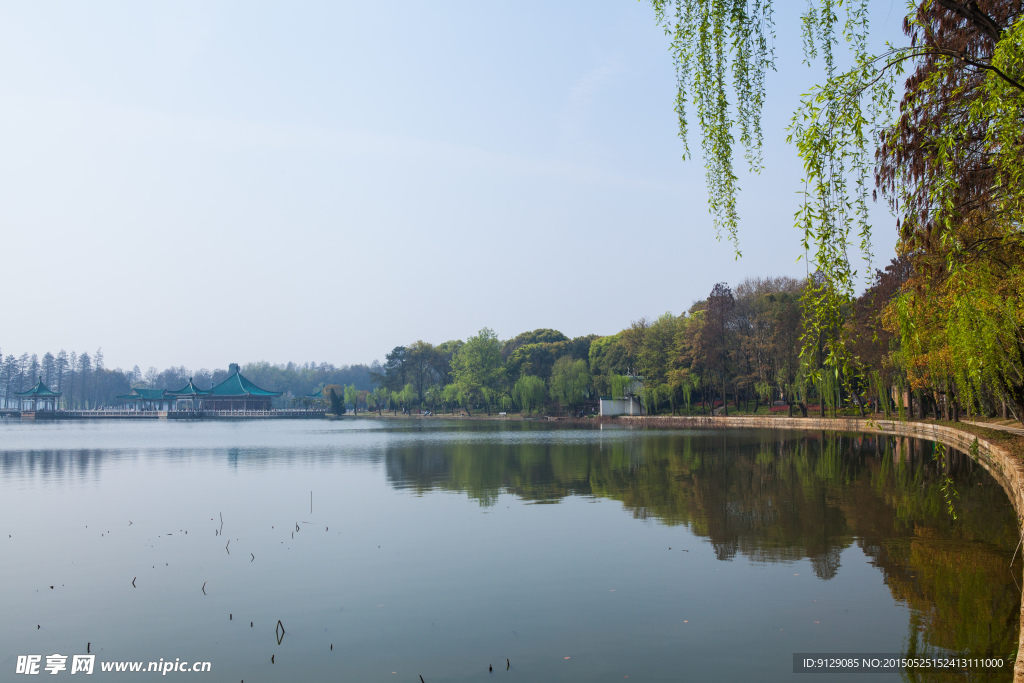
x=200, y=183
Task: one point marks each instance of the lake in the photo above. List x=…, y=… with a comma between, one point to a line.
x=390, y=550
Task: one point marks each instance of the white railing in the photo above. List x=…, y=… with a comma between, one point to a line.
x=178, y=414
x=283, y=412
x=108, y=413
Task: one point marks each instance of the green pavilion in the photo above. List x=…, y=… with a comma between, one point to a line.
x=38, y=398
x=235, y=393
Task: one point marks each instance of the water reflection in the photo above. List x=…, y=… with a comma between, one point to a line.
x=766, y=497
x=50, y=464
x=781, y=497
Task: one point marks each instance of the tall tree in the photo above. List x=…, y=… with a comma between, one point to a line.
x=49, y=366
x=24, y=367
x=337, y=404
x=951, y=166
x=394, y=373
x=352, y=397
x=717, y=333
x=33, y=369
x=72, y=376
x=10, y=371
x=84, y=377
x=477, y=366
x=422, y=367
x=61, y=367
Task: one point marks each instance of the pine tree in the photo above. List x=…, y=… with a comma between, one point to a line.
x=337, y=405
x=49, y=366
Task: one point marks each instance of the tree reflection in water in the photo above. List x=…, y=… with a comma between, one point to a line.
x=780, y=497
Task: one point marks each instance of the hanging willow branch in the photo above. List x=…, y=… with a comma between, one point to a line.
x=717, y=37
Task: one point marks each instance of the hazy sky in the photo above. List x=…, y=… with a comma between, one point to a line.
x=198, y=183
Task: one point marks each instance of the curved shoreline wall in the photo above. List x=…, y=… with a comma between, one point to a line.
x=1005, y=468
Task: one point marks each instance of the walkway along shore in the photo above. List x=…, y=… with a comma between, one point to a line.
x=1005, y=467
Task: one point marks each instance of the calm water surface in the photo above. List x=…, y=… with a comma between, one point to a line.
x=438, y=549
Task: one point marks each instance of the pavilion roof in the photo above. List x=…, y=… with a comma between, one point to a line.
x=238, y=385
x=40, y=390
x=190, y=389
x=319, y=393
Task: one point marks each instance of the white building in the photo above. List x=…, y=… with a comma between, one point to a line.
x=628, y=405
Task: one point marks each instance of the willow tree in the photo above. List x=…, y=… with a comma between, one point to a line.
x=569, y=382
x=953, y=164
x=722, y=51
x=950, y=162
x=529, y=393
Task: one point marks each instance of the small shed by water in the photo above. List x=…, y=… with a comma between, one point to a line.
x=627, y=405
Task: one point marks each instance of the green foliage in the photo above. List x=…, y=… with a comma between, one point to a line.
x=477, y=366
x=352, y=398
x=337, y=405
x=608, y=356
x=716, y=44
x=570, y=381
x=407, y=398
x=540, y=336
x=834, y=132
x=452, y=396
x=621, y=385
x=530, y=394
x=533, y=359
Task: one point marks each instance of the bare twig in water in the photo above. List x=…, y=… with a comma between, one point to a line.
x=133, y=582
x=204, y=588
x=226, y=546
x=279, y=631
x=253, y=558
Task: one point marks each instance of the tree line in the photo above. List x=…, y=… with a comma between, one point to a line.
x=728, y=347
x=85, y=382
x=746, y=349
